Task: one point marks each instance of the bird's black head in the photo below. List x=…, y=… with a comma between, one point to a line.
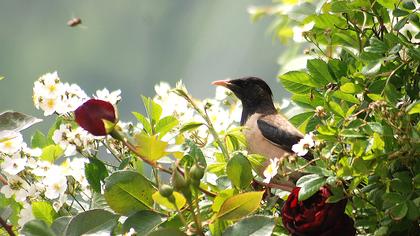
x=254, y=93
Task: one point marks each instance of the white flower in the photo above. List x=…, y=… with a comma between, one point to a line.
x=62, y=137
x=48, y=85
x=10, y=141
x=221, y=93
x=301, y=148
x=162, y=89
x=50, y=95
x=55, y=182
x=105, y=95
x=131, y=232
x=299, y=30
x=49, y=105
x=271, y=170
x=25, y=214
x=60, y=202
x=32, y=152
x=13, y=165
x=42, y=168
x=16, y=186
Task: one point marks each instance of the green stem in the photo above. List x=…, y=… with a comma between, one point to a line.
x=181, y=216
x=211, y=127
x=196, y=220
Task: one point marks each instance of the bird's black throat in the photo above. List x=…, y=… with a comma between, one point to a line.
x=264, y=107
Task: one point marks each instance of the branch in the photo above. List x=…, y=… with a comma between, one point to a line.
x=7, y=227
x=302, y=167
x=284, y=187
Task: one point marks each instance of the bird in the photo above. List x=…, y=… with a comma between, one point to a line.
x=267, y=132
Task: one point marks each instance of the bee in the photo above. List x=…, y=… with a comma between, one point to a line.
x=74, y=22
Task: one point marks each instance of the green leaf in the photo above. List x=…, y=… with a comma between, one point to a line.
x=318, y=69
x=309, y=185
x=414, y=108
x=376, y=46
x=328, y=21
x=239, y=171
x=60, y=224
x=311, y=100
x=16, y=121
x=190, y=126
x=143, y=222
x=179, y=203
x=401, y=23
x=167, y=231
x=409, y=5
x=336, y=108
x=91, y=222
x=257, y=162
x=392, y=199
x=128, y=191
x=240, y=205
x=51, y=153
x=44, y=211
x=350, y=87
x=399, y=211
x=253, y=225
x=346, y=97
x=151, y=147
x=221, y=198
x=300, y=120
x=154, y=110
x=37, y=228
x=297, y=82
x=95, y=172
x=165, y=125
x=398, y=12
x=144, y=121
x=390, y=4
x=377, y=144
x=38, y=140
x=375, y=97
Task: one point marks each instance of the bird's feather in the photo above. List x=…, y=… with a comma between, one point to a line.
x=280, y=132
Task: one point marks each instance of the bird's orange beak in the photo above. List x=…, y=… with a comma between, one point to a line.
x=223, y=83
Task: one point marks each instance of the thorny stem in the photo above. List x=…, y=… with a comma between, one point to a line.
x=7, y=227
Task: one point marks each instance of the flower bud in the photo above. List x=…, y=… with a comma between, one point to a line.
x=178, y=181
x=196, y=172
x=166, y=190
x=96, y=116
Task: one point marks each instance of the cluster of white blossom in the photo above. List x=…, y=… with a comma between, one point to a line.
x=28, y=178
x=222, y=114
x=53, y=96
x=72, y=138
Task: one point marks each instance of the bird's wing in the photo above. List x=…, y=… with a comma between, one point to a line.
x=280, y=132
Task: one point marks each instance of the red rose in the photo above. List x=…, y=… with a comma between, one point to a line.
x=91, y=114
x=315, y=217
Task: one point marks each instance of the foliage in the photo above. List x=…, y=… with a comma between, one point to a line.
x=182, y=168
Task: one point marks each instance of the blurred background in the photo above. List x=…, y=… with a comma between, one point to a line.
x=131, y=45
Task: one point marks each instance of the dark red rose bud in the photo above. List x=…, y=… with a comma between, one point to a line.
x=314, y=216
x=95, y=116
